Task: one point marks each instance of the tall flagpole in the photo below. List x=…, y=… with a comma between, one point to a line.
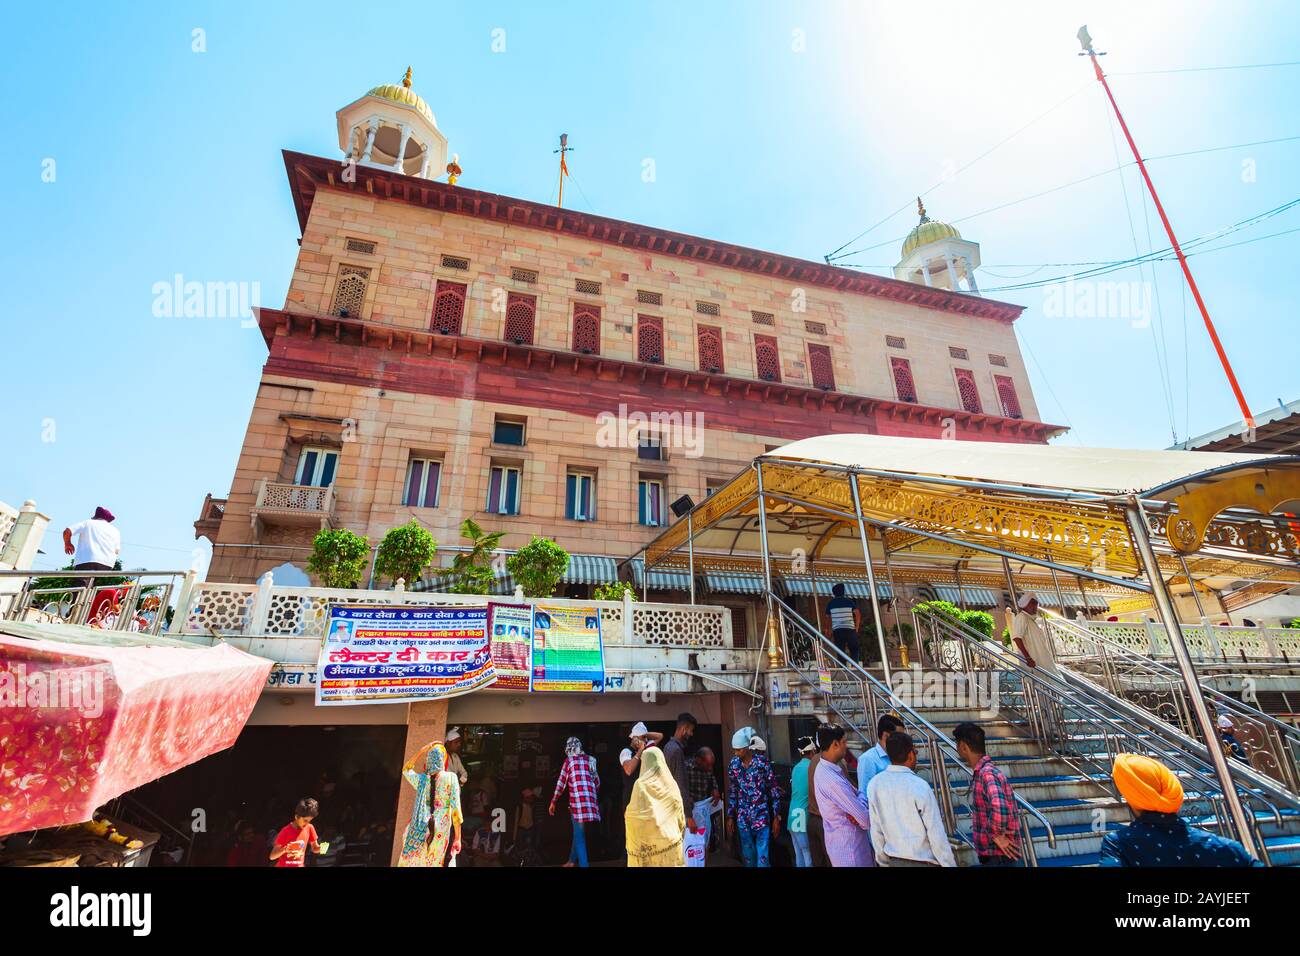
x=1085, y=40
x=564, y=167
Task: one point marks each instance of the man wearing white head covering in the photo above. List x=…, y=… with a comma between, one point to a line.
x=454, y=763
x=630, y=758
x=1029, y=636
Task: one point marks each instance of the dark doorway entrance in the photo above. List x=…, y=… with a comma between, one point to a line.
x=351, y=771
x=505, y=759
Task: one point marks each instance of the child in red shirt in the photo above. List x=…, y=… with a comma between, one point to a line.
x=291, y=843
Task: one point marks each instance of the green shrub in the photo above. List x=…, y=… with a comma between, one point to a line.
x=538, y=566
x=614, y=591
x=405, y=552
x=338, y=557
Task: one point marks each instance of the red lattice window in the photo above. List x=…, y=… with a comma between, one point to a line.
x=649, y=338
x=521, y=314
x=709, y=340
x=448, y=307
x=1007, y=396
x=822, y=367
x=966, y=390
x=767, y=360
x=586, y=328
x=903, y=382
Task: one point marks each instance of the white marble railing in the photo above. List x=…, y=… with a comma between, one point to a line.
x=1213, y=642
x=267, y=612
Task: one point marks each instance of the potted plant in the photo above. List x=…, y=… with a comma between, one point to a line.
x=471, y=571
x=338, y=557
x=538, y=567
x=405, y=552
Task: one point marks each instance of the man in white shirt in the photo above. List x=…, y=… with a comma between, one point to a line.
x=1030, y=638
x=454, y=763
x=906, y=825
x=98, y=543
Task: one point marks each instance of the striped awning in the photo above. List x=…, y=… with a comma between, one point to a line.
x=1072, y=599
x=734, y=583
x=591, y=569
x=441, y=579
x=975, y=597
x=660, y=580
x=803, y=584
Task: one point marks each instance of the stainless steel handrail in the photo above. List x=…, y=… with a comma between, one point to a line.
x=1113, y=720
x=1286, y=737
x=20, y=604
x=943, y=749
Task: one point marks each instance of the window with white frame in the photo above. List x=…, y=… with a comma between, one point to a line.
x=580, y=496
x=422, y=479
x=316, y=466
x=503, y=490
x=650, y=502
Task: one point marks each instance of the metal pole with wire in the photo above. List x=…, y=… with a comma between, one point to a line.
x=1085, y=40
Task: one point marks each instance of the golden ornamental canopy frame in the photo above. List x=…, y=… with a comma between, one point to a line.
x=1141, y=521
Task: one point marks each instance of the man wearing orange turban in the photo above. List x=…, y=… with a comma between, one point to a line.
x=1158, y=836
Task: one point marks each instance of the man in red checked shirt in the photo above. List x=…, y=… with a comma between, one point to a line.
x=291, y=843
x=578, y=776
x=995, y=823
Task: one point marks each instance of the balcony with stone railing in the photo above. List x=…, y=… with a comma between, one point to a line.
x=301, y=506
x=210, y=515
x=670, y=648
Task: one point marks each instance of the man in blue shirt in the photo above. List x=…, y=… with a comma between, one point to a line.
x=845, y=620
x=875, y=760
x=1158, y=836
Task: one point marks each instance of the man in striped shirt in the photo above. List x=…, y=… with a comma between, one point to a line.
x=995, y=825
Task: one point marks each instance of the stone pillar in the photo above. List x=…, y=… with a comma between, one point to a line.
x=952, y=272
x=970, y=277
x=425, y=723
x=25, y=538
x=399, y=163
x=373, y=123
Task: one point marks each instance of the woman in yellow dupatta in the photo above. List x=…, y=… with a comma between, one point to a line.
x=655, y=819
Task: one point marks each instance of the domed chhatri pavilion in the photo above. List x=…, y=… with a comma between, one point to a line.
x=392, y=127
x=935, y=254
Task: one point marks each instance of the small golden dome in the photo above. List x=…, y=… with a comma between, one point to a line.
x=402, y=93
x=927, y=230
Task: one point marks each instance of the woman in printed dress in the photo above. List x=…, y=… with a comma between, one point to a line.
x=436, y=813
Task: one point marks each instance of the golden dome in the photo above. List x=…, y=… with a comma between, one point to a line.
x=927, y=230
x=402, y=93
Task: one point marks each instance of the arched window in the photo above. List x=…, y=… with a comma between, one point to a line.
x=448, y=307
x=649, y=338
x=586, y=328
x=903, y=384
x=350, y=291
x=1007, y=396
x=767, y=360
x=822, y=367
x=966, y=390
x=709, y=341
x=521, y=316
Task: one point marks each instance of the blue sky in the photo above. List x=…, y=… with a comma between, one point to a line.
x=789, y=127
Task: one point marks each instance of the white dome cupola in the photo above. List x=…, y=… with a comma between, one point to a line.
x=392, y=127
x=935, y=254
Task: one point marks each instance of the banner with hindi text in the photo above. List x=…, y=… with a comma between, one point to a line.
x=375, y=654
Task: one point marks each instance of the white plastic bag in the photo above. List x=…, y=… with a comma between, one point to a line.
x=695, y=844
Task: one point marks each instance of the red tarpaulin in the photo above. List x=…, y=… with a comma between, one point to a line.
x=82, y=722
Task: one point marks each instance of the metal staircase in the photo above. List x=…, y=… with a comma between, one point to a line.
x=1054, y=736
